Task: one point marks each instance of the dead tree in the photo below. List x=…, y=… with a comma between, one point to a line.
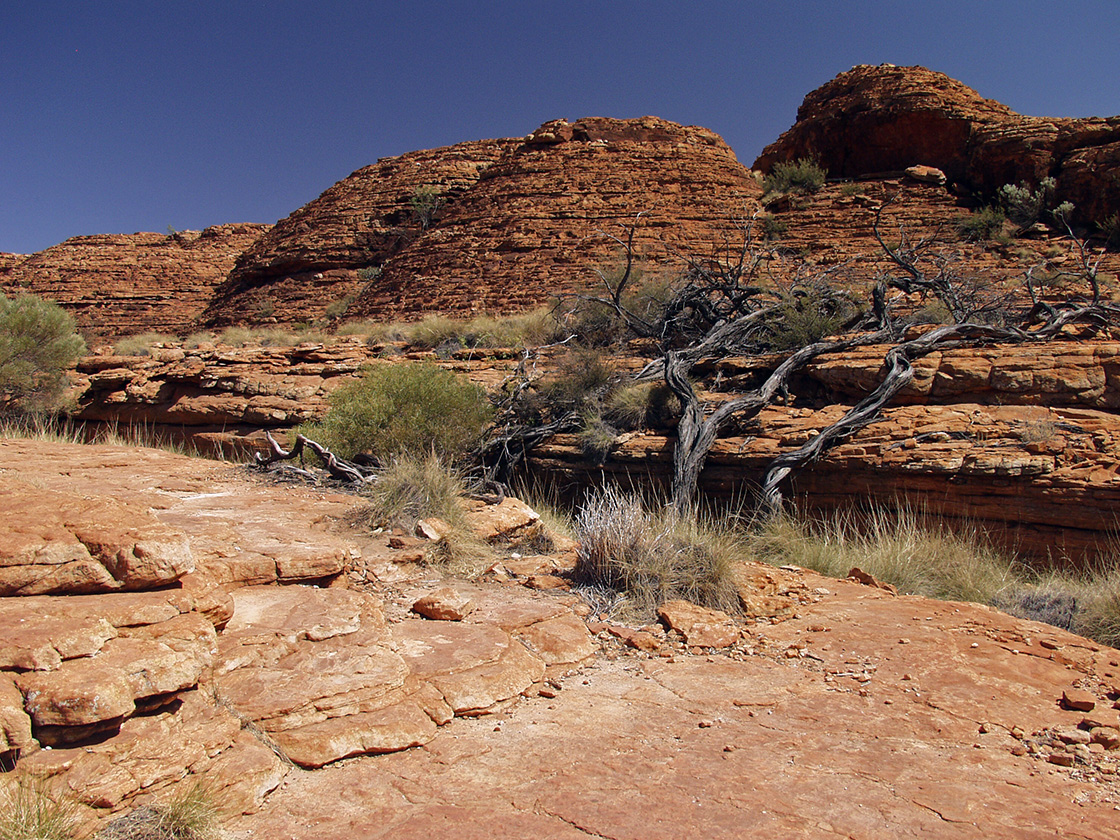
x=733, y=302
x=338, y=468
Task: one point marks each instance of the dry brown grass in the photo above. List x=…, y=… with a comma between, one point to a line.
x=29, y=811
x=654, y=556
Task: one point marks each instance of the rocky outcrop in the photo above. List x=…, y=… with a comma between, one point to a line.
x=518, y=221
x=537, y=222
x=52, y=541
x=517, y=704
x=313, y=257
x=117, y=285
x=1023, y=446
x=212, y=673
x=875, y=119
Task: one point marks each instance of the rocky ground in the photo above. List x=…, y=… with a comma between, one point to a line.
x=326, y=683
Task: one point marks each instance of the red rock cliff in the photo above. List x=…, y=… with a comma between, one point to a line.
x=884, y=118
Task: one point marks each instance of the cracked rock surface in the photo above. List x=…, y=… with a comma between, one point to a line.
x=329, y=708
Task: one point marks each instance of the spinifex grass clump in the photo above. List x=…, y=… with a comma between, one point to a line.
x=192, y=814
x=653, y=557
x=28, y=811
x=411, y=488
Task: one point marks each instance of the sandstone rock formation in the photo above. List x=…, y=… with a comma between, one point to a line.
x=115, y=696
x=118, y=285
x=522, y=220
x=515, y=705
x=875, y=119
x=1024, y=445
x=312, y=258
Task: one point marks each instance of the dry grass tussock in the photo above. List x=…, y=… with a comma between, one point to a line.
x=29, y=811
x=904, y=548
x=52, y=428
x=654, y=556
x=191, y=814
x=634, y=556
x=438, y=332
x=412, y=488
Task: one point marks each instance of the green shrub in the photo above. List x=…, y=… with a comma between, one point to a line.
x=38, y=342
x=654, y=557
x=405, y=408
x=369, y=273
x=986, y=223
x=801, y=177
x=426, y=202
x=1025, y=206
x=582, y=376
x=852, y=188
x=805, y=316
x=772, y=227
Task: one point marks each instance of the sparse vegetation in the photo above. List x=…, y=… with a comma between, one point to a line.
x=641, y=405
x=191, y=814
x=336, y=309
x=142, y=344
x=801, y=177
x=426, y=203
x=773, y=228
x=805, y=315
x=1025, y=207
x=597, y=437
x=1110, y=229
x=269, y=337
x=654, y=557
x=982, y=225
x=29, y=811
x=412, y=487
x=38, y=342
x=916, y=553
x=409, y=407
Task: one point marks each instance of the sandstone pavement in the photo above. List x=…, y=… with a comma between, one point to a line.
x=330, y=707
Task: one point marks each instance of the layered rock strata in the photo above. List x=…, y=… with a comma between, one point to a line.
x=875, y=119
x=117, y=285
x=210, y=672
x=518, y=220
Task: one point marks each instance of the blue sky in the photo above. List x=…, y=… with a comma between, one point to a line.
x=118, y=117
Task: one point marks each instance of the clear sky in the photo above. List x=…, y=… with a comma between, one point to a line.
x=117, y=117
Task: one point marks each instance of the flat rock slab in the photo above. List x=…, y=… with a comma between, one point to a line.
x=239, y=531
x=56, y=542
x=753, y=745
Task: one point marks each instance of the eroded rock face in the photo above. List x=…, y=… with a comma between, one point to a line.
x=312, y=258
x=62, y=543
x=836, y=683
x=537, y=222
x=875, y=119
x=520, y=219
x=118, y=284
